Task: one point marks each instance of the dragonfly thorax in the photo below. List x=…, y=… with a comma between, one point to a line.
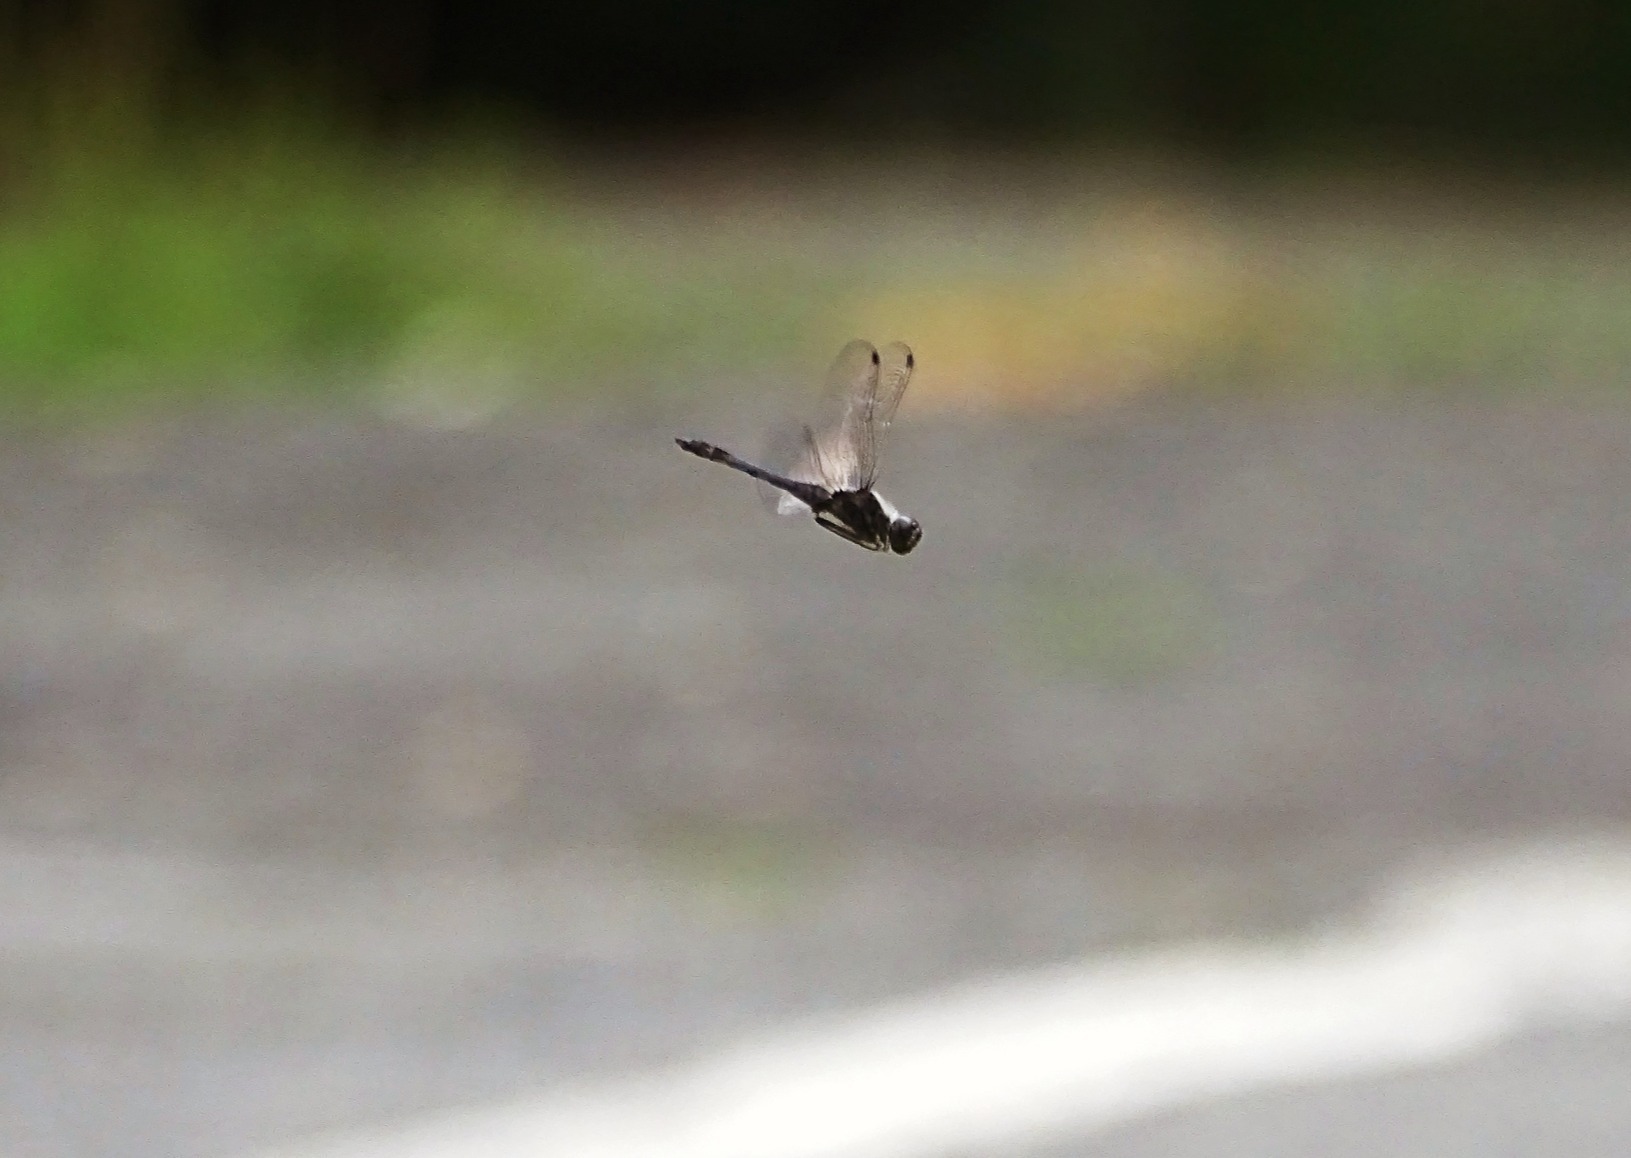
x=869, y=520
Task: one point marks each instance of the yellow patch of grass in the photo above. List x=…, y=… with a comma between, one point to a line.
x=1134, y=299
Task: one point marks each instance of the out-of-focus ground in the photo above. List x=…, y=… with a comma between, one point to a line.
x=1551, y=1093
x=350, y=768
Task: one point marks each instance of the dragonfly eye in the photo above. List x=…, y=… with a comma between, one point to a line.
x=904, y=535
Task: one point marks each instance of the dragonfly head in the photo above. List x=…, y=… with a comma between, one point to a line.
x=904, y=534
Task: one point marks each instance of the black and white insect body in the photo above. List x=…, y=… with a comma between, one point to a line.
x=827, y=469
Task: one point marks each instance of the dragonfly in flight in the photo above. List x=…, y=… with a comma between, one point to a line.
x=827, y=468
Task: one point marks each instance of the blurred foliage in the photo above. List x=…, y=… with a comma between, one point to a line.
x=273, y=254
x=446, y=283
x=208, y=199
x=167, y=233
x=1287, y=287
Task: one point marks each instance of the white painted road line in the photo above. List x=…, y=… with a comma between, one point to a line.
x=1454, y=960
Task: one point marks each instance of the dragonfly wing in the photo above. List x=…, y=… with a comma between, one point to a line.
x=894, y=373
x=841, y=440
x=786, y=505
x=791, y=452
x=839, y=451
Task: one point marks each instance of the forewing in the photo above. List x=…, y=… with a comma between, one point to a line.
x=894, y=374
x=839, y=451
x=841, y=443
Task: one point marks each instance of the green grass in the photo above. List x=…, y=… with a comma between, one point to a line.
x=136, y=278
x=298, y=267
x=279, y=259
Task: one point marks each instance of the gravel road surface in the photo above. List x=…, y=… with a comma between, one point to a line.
x=350, y=770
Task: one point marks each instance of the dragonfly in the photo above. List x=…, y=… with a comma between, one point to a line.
x=827, y=468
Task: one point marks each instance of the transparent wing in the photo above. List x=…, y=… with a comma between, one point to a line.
x=839, y=450
x=791, y=451
x=840, y=438
x=894, y=373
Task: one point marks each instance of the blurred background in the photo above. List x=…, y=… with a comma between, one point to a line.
x=391, y=720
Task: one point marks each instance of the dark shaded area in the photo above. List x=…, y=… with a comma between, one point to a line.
x=1227, y=74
